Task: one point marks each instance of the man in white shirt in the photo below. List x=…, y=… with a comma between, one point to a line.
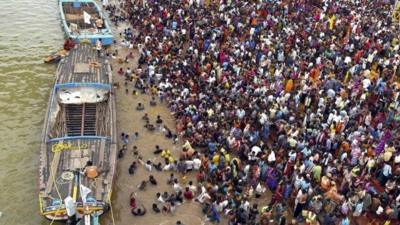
x=177, y=186
x=167, y=167
x=196, y=164
x=189, y=165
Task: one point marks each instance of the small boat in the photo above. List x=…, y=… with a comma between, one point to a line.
x=78, y=148
x=55, y=57
x=84, y=21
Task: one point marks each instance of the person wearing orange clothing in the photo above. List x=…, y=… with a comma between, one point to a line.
x=289, y=86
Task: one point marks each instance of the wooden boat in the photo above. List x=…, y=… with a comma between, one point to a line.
x=55, y=57
x=79, y=21
x=78, y=148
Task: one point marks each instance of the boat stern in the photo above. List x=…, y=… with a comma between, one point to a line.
x=58, y=211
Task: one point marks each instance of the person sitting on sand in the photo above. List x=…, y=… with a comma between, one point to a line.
x=126, y=139
x=170, y=179
x=160, y=198
x=132, y=200
x=128, y=74
x=149, y=126
x=155, y=208
x=120, y=71
x=132, y=168
x=176, y=198
x=158, y=150
x=135, y=135
x=158, y=167
x=179, y=197
x=122, y=151
x=192, y=187
x=167, y=167
x=145, y=117
x=140, y=107
x=153, y=101
x=143, y=185
x=165, y=196
x=168, y=132
x=169, y=208
x=148, y=166
x=188, y=194
x=152, y=180
x=177, y=186
x=159, y=121
x=139, y=211
x=135, y=151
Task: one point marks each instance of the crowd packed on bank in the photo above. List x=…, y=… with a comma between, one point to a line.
x=295, y=98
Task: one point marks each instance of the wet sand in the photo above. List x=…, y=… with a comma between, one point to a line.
x=129, y=120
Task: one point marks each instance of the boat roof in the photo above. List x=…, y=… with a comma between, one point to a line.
x=82, y=67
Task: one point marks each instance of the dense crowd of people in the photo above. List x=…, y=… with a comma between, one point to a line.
x=298, y=97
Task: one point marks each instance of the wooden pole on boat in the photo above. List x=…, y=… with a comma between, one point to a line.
x=75, y=190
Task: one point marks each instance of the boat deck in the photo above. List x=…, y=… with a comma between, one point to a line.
x=71, y=155
x=83, y=66
x=75, y=15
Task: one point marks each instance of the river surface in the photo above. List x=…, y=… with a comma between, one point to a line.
x=29, y=30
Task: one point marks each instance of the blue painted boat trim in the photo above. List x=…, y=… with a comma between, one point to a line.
x=73, y=85
x=67, y=138
x=106, y=37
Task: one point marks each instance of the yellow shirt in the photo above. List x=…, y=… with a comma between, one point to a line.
x=388, y=153
x=332, y=22
x=215, y=159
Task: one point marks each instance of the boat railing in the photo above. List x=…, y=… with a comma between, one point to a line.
x=68, y=138
x=83, y=84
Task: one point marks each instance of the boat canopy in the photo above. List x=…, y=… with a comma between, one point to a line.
x=80, y=95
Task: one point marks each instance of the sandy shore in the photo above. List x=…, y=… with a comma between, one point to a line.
x=129, y=120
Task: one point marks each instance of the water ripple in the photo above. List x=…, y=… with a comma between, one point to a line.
x=29, y=31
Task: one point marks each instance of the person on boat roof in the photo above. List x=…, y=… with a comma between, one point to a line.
x=99, y=24
x=99, y=46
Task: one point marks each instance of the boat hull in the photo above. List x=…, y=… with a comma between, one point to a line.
x=78, y=148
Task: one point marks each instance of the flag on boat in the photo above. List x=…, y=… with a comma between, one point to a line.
x=84, y=192
x=86, y=17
